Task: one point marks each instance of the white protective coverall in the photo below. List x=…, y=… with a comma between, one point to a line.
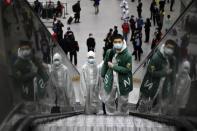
x=89, y=82
x=61, y=83
x=183, y=83
x=125, y=10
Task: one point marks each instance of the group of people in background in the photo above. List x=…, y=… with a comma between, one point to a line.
x=49, y=10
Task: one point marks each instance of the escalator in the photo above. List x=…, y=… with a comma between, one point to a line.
x=33, y=112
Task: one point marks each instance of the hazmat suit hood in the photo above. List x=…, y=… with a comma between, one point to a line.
x=57, y=60
x=91, y=58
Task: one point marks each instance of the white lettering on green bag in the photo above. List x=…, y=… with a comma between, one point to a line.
x=106, y=79
x=127, y=82
x=149, y=85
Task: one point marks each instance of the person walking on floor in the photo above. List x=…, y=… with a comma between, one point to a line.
x=132, y=26
x=147, y=29
x=125, y=30
x=74, y=48
x=139, y=8
x=91, y=43
x=96, y=5
x=77, y=9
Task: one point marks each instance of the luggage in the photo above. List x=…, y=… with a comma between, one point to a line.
x=70, y=19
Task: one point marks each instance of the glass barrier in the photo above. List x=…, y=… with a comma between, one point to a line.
x=168, y=85
x=33, y=68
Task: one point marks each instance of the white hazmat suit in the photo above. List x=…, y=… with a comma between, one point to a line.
x=61, y=83
x=183, y=83
x=90, y=85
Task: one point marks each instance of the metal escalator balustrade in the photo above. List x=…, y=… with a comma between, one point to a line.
x=175, y=97
x=26, y=53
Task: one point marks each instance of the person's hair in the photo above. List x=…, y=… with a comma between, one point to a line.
x=168, y=16
x=171, y=42
x=90, y=34
x=118, y=36
x=25, y=43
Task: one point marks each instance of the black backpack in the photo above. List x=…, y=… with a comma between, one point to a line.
x=74, y=7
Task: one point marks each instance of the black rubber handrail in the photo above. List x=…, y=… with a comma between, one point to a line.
x=27, y=122
x=179, y=122
x=173, y=25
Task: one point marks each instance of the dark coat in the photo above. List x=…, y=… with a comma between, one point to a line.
x=123, y=68
x=91, y=42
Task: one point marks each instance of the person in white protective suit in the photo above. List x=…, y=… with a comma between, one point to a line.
x=183, y=83
x=90, y=85
x=61, y=84
x=125, y=10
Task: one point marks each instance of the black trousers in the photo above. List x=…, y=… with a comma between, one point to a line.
x=137, y=54
x=73, y=54
x=154, y=19
x=139, y=13
x=77, y=17
x=147, y=34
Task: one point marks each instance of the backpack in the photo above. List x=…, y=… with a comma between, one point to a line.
x=74, y=8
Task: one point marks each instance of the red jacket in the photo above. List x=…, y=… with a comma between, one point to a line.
x=125, y=28
x=54, y=36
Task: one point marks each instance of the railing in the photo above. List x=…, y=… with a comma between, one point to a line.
x=45, y=5
x=32, y=120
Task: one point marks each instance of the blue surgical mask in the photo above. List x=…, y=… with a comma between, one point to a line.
x=118, y=46
x=91, y=61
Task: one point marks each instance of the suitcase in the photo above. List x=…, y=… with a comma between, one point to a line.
x=70, y=19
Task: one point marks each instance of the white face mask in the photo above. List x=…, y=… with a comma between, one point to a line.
x=118, y=46
x=25, y=53
x=168, y=51
x=91, y=61
x=56, y=63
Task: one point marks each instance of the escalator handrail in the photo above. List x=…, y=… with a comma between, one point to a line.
x=164, y=36
x=10, y=115
x=179, y=122
x=45, y=118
